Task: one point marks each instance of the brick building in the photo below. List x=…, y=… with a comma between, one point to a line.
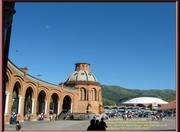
x=25, y=94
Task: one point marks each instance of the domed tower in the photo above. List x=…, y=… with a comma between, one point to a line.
x=89, y=89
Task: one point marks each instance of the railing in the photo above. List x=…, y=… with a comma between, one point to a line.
x=74, y=116
x=63, y=115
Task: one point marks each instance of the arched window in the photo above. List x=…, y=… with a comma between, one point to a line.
x=82, y=94
x=94, y=94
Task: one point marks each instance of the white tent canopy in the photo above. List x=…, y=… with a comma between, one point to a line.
x=145, y=100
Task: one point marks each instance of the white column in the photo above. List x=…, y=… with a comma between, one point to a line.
x=19, y=105
x=58, y=107
x=71, y=107
x=45, y=106
x=7, y=102
x=32, y=112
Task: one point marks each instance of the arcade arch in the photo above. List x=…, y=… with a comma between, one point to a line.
x=54, y=103
x=8, y=79
x=66, y=104
x=28, y=101
x=26, y=94
x=15, y=97
x=41, y=102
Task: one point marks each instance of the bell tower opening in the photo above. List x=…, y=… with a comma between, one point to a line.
x=82, y=66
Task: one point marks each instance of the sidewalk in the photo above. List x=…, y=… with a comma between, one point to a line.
x=54, y=125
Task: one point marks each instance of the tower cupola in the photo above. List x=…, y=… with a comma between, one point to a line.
x=82, y=75
x=82, y=66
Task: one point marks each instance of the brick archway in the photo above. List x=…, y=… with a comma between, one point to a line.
x=28, y=102
x=15, y=98
x=34, y=95
x=54, y=103
x=41, y=102
x=66, y=107
x=8, y=79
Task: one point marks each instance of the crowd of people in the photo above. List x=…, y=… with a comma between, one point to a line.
x=158, y=116
x=14, y=121
x=153, y=116
x=96, y=125
x=41, y=116
x=52, y=116
x=127, y=115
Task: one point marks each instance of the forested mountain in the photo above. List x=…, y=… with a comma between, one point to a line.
x=116, y=94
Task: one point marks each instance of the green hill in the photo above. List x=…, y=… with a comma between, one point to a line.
x=116, y=94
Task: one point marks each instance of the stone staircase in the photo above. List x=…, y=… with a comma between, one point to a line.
x=64, y=115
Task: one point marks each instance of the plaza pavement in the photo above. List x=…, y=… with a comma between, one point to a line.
x=113, y=124
x=141, y=124
x=53, y=125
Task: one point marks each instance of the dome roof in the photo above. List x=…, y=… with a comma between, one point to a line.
x=82, y=75
x=145, y=100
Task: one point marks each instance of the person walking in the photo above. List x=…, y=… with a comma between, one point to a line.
x=102, y=125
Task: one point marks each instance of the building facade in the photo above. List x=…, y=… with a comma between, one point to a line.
x=27, y=95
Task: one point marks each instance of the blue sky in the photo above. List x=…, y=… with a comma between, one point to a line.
x=127, y=44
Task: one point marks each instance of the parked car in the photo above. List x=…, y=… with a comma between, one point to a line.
x=147, y=114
